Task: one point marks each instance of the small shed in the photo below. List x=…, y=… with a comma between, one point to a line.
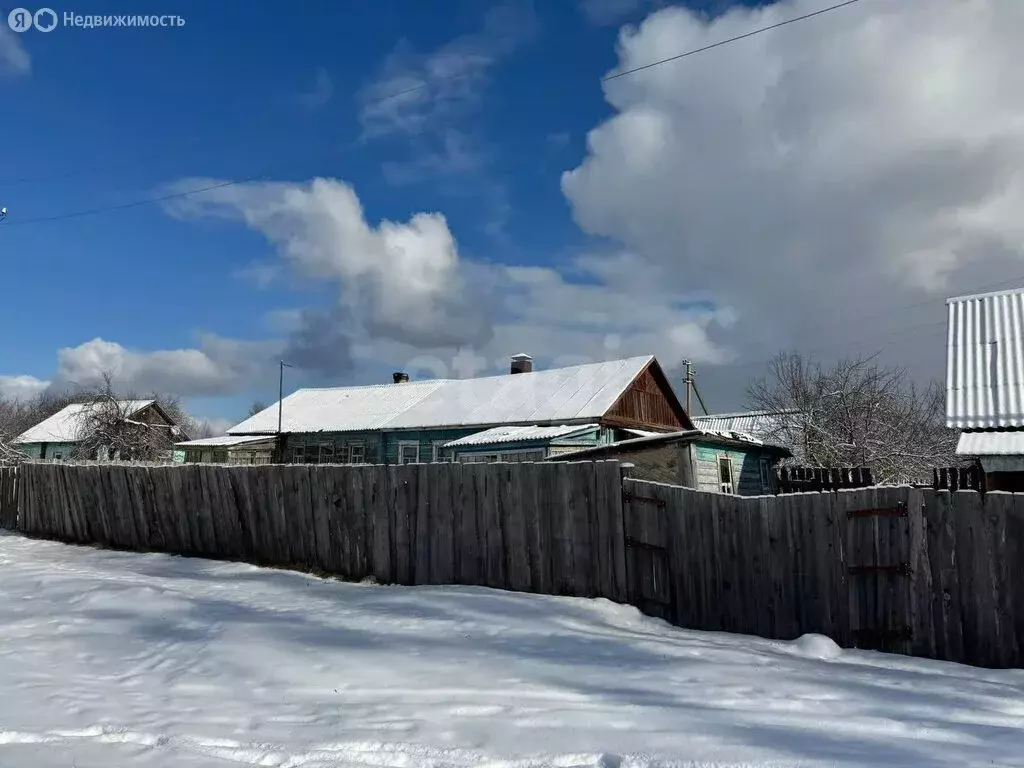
x=720, y=462
x=228, y=449
x=984, y=391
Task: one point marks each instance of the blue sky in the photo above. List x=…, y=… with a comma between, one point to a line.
x=108, y=116
x=545, y=244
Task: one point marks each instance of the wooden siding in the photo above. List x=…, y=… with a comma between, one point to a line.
x=648, y=402
x=35, y=450
x=746, y=468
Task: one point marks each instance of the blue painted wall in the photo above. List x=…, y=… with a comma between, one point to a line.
x=746, y=465
x=35, y=450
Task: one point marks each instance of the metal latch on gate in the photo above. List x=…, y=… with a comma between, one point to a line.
x=902, y=569
x=900, y=510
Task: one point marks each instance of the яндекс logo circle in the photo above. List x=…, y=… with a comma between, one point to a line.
x=20, y=20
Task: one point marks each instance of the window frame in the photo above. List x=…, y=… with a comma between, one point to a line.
x=402, y=445
x=436, y=448
x=726, y=460
x=766, y=473
x=351, y=452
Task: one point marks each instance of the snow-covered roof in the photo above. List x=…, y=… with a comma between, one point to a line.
x=224, y=441
x=66, y=424
x=498, y=435
x=991, y=443
x=579, y=393
x=985, y=360
x=642, y=432
x=686, y=435
x=764, y=426
x=756, y=423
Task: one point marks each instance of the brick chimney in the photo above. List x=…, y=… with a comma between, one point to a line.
x=400, y=377
x=522, y=364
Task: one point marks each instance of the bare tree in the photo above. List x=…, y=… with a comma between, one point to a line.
x=856, y=413
x=112, y=427
x=9, y=455
x=256, y=407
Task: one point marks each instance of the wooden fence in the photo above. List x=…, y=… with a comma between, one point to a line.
x=9, y=498
x=550, y=528
x=909, y=570
x=804, y=479
x=958, y=479
x=934, y=574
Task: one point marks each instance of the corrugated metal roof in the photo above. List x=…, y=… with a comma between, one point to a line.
x=519, y=434
x=223, y=441
x=339, y=409
x=66, y=424
x=985, y=360
x=756, y=423
x=559, y=395
x=991, y=444
x=688, y=435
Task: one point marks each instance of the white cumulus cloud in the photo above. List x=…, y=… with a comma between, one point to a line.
x=821, y=177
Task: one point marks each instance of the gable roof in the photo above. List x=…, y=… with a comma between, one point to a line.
x=579, y=393
x=500, y=435
x=985, y=360
x=66, y=424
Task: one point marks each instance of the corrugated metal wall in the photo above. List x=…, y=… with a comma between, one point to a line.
x=985, y=361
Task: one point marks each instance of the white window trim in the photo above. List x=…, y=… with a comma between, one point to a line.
x=402, y=445
x=732, y=473
x=766, y=474
x=351, y=450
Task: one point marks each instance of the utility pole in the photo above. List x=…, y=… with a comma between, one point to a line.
x=689, y=384
x=280, y=394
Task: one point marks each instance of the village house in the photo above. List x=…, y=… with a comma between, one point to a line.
x=526, y=414
x=985, y=383
x=719, y=462
x=226, y=449
x=58, y=436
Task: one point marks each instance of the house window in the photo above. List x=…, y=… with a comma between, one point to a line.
x=326, y=453
x=298, y=454
x=408, y=452
x=725, y=479
x=766, y=475
x=356, y=453
x=438, y=451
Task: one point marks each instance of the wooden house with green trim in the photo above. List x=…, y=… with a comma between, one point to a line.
x=422, y=421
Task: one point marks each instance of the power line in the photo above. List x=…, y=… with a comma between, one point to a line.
x=133, y=204
x=726, y=42
x=413, y=89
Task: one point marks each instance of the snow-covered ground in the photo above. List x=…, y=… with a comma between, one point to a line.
x=115, y=659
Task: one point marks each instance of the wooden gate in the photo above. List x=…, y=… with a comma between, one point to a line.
x=648, y=570
x=880, y=558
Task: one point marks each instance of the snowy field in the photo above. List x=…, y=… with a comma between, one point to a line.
x=114, y=659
